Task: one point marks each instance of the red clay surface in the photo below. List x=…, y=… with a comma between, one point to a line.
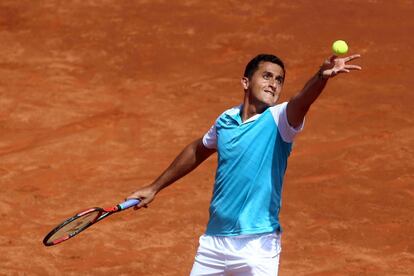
x=98, y=97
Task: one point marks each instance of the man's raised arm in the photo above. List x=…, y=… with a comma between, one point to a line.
x=299, y=105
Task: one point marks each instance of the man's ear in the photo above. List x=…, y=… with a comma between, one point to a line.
x=245, y=83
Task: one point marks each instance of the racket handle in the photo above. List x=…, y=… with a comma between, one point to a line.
x=129, y=203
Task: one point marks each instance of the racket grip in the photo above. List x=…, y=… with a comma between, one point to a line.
x=129, y=203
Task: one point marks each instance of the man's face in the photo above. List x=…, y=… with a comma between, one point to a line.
x=265, y=85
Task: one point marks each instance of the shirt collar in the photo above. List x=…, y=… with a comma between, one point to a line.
x=235, y=114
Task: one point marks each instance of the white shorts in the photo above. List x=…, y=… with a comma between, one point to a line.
x=238, y=255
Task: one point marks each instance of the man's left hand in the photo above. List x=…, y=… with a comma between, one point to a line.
x=335, y=65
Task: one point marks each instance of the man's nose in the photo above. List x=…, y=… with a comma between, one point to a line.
x=272, y=84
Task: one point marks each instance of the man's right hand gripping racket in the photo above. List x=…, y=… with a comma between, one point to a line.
x=81, y=221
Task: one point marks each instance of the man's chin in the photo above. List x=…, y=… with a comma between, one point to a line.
x=272, y=103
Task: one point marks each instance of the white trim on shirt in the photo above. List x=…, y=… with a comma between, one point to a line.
x=287, y=132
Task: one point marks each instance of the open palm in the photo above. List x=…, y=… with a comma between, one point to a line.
x=335, y=65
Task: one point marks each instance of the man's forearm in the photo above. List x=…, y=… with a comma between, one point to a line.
x=191, y=156
x=299, y=105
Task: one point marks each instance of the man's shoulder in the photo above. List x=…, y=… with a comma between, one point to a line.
x=232, y=111
x=279, y=106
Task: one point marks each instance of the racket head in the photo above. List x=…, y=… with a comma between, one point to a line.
x=73, y=226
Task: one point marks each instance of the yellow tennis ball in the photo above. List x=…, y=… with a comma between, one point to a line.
x=340, y=47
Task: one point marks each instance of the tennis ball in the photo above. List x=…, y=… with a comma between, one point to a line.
x=340, y=47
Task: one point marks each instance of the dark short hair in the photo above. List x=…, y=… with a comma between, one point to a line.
x=253, y=65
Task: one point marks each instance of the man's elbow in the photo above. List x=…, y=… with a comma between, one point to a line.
x=202, y=152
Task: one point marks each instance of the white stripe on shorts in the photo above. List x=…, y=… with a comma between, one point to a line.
x=244, y=255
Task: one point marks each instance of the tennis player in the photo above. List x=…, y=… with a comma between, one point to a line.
x=253, y=142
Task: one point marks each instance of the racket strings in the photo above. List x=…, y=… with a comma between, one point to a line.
x=74, y=226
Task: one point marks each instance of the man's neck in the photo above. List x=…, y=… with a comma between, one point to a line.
x=249, y=109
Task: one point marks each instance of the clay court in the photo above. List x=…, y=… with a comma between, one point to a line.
x=98, y=97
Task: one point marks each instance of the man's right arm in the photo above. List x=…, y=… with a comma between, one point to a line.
x=189, y=158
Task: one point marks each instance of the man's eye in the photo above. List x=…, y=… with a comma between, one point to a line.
x=266, y=77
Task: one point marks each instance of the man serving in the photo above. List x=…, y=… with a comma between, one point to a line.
x=253, y=142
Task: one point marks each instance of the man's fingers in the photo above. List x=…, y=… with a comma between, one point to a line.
x=142, y=204
x=343, y=70
x=352, y=57
x=139, y=205
x=353, y=67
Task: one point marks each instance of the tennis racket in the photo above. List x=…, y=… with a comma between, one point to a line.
x=81, y=221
